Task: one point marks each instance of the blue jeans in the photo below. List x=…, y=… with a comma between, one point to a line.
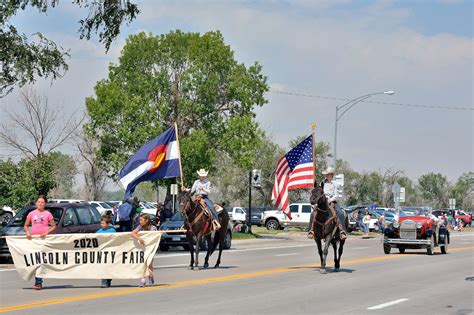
x=38, y=281
x=210, y=205
x=342, y=216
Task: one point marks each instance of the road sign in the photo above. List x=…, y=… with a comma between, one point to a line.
x=339, y=179
x=402, y=194
x=174, y=189
x=452, y=203
x=257, y=178
x=396, y=194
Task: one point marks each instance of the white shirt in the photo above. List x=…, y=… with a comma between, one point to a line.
x=330, y=190
x=201, y=187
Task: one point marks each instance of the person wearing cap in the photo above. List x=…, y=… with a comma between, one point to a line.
x=330, y=190
x=202, y=188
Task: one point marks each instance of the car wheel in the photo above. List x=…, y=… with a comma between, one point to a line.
x=272, y=224
x=6, y=217
x=430, y=248
x=387, y=249
x=228, y=240
x=164, y=248
x=401, y=250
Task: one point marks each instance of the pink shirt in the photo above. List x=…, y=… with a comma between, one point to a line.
x=40, y=221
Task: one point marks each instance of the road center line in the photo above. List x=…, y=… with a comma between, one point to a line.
x=256, y=274
x=290, y=254
x=384, y=305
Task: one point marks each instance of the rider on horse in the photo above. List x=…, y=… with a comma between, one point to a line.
x=201, y=189
x=330, y=190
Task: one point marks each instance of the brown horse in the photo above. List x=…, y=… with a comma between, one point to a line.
x=198, y=224
x=326, y=228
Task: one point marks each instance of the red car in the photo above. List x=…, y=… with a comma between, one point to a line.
x=466, y=218
x=415, y=232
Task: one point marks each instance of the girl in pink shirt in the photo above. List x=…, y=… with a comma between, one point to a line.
x=39, y=219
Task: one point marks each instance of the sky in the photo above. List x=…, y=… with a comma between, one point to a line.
x=422, y=50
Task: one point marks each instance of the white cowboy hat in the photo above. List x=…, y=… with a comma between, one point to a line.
x=329, y=170
x=202, y=172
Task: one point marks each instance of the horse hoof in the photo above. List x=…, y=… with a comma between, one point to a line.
x=191, y=268
x=322, y=271
x=336, y=269
x=206, y=266
x=216, y=267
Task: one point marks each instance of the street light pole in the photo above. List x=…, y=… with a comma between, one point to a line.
x=346, y=107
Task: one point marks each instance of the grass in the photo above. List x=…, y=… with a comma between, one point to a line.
x=243, y=236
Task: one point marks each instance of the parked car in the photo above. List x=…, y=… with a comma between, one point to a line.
x=465, y=217
x=148, y=208
x=101, y=206
x=257, y=215
x=415, y=210
x=277, y=219
x=69, y=218
x=237, y=214
x=179, y=239
x=415, y=232
x=66, y=201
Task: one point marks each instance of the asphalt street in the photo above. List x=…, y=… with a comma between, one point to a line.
x=271, y=276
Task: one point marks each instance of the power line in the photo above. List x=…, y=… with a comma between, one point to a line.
x=373, y=102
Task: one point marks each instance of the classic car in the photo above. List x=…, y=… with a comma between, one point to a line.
x=415, y=232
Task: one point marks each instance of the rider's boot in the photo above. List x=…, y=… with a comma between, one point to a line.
x=311, y=235
x=216, y=224
x=342, y=235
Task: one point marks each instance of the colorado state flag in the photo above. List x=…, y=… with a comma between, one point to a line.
x=157, y=159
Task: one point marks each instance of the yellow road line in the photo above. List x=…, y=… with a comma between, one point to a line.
x=198, y=282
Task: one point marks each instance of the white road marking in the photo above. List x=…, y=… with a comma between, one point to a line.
x=377, y=307
x=461, y=235
x=360, y=247
x=283, y=255
x=170, y=266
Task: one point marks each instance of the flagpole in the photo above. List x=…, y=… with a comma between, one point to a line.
x=179, y=152
x=313, y=127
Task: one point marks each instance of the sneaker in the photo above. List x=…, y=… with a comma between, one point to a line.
x=37, y=287
x=151, y=280
x=142, y=282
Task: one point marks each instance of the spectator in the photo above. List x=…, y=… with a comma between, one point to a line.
x=381, y=223
x=366, y=222
x=460, y=225
x=39, y=219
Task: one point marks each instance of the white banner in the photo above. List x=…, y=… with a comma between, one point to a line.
x=84, y=256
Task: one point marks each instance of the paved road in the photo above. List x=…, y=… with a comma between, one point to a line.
x=271, y=277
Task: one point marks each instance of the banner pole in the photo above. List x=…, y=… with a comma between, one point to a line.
x=179, y=152
x=313, y=127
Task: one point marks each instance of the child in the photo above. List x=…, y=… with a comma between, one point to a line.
x=40, y=220
x=105, y=221
x=145, y=225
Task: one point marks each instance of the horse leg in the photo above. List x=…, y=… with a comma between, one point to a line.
x=209, y=250
x=198, y=247
x=221, y=239
x=334, y=246
x=325, y=254
x=341, y=248
x=190, y=240
x=320, y=252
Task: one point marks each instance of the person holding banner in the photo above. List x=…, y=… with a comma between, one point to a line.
x=106, y=227
x=145, y=225
x=40, y=220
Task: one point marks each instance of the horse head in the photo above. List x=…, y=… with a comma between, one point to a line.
x=318, y=197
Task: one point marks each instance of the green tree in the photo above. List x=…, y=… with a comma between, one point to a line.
x=434, y=189
x=64, y=171
x=23, y=59
x=187, y=78
x=462, y=191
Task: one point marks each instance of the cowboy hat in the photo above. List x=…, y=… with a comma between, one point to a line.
x=329, y=170
x=202, y=172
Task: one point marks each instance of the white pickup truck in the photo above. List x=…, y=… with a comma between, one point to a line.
x=237, y=214
x=276, y=219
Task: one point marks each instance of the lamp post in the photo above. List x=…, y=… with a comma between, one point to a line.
x=346, y=107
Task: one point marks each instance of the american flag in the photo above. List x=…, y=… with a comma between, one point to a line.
x=294, y=170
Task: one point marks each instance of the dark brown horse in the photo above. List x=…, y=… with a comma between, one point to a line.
x=326, y=228
x=198, y=224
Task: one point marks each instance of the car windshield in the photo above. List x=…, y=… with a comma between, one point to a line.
x=177, y=217
x=20, y=217
x=105, y=205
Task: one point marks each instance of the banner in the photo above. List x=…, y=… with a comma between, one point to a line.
x=84, y=256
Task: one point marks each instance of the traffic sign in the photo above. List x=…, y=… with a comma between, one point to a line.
x=257, y=178
x=452, y=203
x=402, y=194
x=339, y=179
x=174, y=189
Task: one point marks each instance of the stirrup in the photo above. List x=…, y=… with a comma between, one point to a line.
x=311, y=235
x=216, y=225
